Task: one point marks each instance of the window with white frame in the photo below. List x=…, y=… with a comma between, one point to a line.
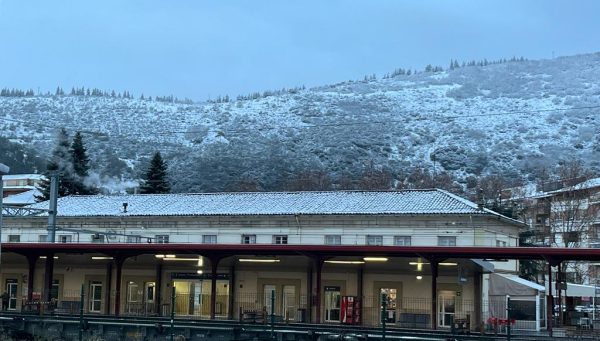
x=161, y=238
x=14, y=238
x=500, y=243
x=97, y=238
x=249, y=239
x=209, y=239
x=402, y=240
x=333, y=239
x=65, y=238
x=446, y=241
x=374, y=240
x=134, y=239
x=280, y=239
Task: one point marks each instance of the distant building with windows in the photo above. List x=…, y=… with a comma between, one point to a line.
x=21, y=189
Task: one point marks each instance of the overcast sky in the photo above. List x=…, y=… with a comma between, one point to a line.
x=198, y=49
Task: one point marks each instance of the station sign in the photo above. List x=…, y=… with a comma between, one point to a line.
x=193, y=275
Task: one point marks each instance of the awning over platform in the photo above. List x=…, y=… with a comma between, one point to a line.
x=486, y=266
x=580, y=290
x=507, y=284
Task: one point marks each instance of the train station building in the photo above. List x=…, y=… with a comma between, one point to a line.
x=320, y=257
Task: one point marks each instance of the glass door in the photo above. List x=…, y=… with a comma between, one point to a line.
x=133, y=298
x=95, y=297
x=269, y=292
x=149, y=296
x=196, y=289
x=289, y=302
x=12, y=286
x=333, y=302
x=446, y=309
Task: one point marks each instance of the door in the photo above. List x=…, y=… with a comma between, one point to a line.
x=270, y=292
x=391, y=302
x=12, y=287
x=446, y=309
x=198, y=299
x=333, y=304
x=55, y=291
x=95, y=297
x=149, y=296
x=289, y=302
x=133, y=298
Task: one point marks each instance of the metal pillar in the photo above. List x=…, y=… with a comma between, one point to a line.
x=434, y=276
x=108, y=287
x=359, y=290
x=231, y=292
x=508, y=309
x=318, y=269
x=52, y=209
x=172, y=313
x=559, y=284
x=51, y=238
x=549, y=302
x=48, y=276
x=309, y=290
x=81, y=303
x=119, y=269
x=478, y=293
x=31, y=260
x=214, y=263
x=158, y=291
x=3, y=170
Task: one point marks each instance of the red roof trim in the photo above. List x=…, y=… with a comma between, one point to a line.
x=226, y=250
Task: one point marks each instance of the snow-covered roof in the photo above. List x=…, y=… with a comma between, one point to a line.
x=24, y=198
x=406, y=202
x=522, y=281
x=591, y=183
x=23, y=176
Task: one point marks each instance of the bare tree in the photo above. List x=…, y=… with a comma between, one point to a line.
x=375, y=179
x=310, y=180
x=246, y=184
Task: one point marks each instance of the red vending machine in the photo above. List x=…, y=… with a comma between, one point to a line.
x=350, y=310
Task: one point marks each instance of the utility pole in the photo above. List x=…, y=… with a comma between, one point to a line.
x=4, y=169
x=51, y=238
x=52, y=208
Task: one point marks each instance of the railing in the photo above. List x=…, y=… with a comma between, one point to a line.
x=292, y=307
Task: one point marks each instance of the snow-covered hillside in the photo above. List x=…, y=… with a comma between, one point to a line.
x=511, y=118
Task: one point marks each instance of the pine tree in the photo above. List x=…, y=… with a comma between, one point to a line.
x=155, y=180
x=60, y=163
x=80, y=167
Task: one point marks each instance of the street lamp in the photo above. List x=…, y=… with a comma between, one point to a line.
x=4, y=169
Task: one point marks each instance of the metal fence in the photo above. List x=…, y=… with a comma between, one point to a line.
x=293, y=307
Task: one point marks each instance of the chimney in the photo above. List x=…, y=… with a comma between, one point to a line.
x=480, y=201
x=125, y=207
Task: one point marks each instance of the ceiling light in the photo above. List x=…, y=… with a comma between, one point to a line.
x=419, y=277
x=345, y=262
x=199, y=272
x=101, y=257
x=449, y=264
x=417, y=263
x=181, y=259
x=259, y=260
x=375, y=259
x=200, y=261
x=170, y=256
x=44, y=257
x=159, y=256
